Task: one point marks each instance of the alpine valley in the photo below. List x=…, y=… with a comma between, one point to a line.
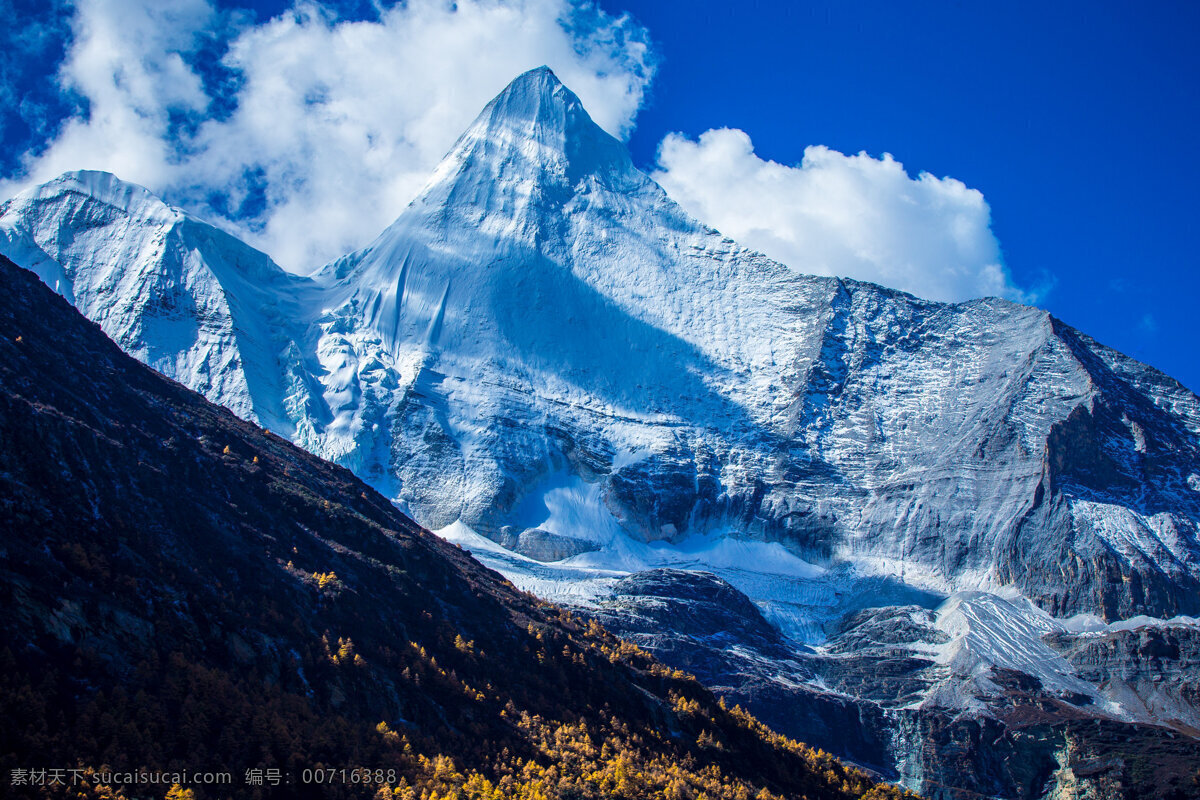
x=958, y=544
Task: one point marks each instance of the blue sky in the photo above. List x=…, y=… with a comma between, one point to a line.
x=1076, y=120
x=1068, y=128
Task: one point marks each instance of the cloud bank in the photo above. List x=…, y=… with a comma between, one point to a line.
x=309, y=134
x=849, y=216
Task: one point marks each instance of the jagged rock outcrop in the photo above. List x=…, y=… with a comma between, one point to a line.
x=1155, y=669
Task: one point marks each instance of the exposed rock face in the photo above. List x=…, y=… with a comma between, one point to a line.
x=893, y=690
x=700, y=623
x=1046, y=758
x=1153, y=669
x=876, y=654
x=698, y=605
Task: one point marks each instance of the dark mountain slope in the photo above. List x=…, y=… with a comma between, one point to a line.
x=183, y=590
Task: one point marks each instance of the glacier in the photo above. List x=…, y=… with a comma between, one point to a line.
x=547, y=361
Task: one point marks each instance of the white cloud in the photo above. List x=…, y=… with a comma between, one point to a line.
x=337, y=124
x=125, y=63
x=833, y=214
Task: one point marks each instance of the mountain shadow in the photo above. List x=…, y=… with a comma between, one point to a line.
x=184, y=591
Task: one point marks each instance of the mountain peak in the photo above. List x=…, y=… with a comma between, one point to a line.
x=533, y=80
x=106, y=188
x=535, y=129
x=534, y=100
x=531, y=152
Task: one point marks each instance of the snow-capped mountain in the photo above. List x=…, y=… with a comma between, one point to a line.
x=548, y=360
x=182, y=296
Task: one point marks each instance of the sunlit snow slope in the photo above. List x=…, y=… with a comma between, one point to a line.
x=544, y=323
